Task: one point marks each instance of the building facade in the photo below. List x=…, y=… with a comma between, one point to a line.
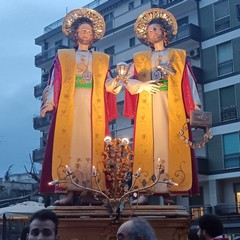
x=209, y=30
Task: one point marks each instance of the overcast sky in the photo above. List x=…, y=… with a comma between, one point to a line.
x=21, y=21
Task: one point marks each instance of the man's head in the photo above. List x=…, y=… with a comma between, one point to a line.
x=210, y=226
x=83, y=32
x=156, y=33
x=83, y=18
x=136, y=229
x=157, y=18
x=43, y=225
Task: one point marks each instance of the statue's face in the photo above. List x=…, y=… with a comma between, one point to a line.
x=155, y=33
x=85, y=34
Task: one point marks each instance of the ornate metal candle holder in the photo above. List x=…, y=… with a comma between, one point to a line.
x=120, y=181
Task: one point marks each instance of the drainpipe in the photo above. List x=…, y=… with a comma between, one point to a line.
x=4, y=233
x=199, y=22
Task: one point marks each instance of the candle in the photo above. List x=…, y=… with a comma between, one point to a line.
x=94, y=171
x=107, y=140
x=125, y=141
x=68, y=171
x=54, y=182
x=138, y=172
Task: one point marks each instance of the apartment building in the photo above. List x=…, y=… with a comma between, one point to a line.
x=209, y=30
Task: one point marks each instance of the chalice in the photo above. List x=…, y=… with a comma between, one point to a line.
x=122, y=69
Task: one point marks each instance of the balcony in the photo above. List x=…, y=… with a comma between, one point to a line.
x=38, y=155
x=198, y=73
x=226, y=211
x=189, y=32
x=229, y=113
x=202, y=164
x=167, y=3
x=47, y=55
x=40, y=122
x=38, y=89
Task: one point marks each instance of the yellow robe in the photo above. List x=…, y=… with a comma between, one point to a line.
x=177, y=158
x=65, y=115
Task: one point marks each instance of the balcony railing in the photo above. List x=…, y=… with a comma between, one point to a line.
x=47, y=55
x=229, y=113
x=40, y=122
x=58, y=23
x=38, y=154
x=225, y=210
x=189, y=31
x=197, y=211
x=168, y=3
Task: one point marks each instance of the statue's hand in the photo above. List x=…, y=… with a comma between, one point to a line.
x=196, y=107
x=150, y=87
x=46, y=108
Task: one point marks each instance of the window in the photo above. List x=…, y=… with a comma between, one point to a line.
x=238, y=11
x=113, y=125
x=109, y=21
x=132, y=42
x=58, y=43
x=110, y=51
x=182, y=22
x=45, y=46
x=225, y=58
x=120, y=108
x=222, y=15
x=228, y=103
x=237, y=196
x=231, y=148
x=131, y=6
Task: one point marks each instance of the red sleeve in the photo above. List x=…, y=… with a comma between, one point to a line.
x=111, y=106
x=130, y=102
x=187, y=93
x=57, y=80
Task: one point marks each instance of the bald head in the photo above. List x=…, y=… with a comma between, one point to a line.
x=136, y=229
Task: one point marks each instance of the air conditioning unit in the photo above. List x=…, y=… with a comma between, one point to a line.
x=194, y=53
x=114, y=72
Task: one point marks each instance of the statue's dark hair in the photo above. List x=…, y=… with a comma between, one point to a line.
x=75, y=26
x=166, y=28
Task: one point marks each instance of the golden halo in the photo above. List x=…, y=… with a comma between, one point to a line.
x=99, y=26
x=167, y=20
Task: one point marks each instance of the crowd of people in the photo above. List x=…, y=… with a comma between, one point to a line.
x=43, y=225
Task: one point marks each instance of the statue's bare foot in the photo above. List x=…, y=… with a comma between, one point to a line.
x=168, y=200
x=66, y=201
x=89, y=199
x=141, y=200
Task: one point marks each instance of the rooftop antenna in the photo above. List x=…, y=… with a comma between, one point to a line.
x=66, y=10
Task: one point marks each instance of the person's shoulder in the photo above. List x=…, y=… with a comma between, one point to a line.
x=178, y=53
x=143, y=54
x=100, y=54
x=177, y=50
x=65, y=51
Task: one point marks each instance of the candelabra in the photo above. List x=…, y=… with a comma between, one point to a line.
x=120, y=181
